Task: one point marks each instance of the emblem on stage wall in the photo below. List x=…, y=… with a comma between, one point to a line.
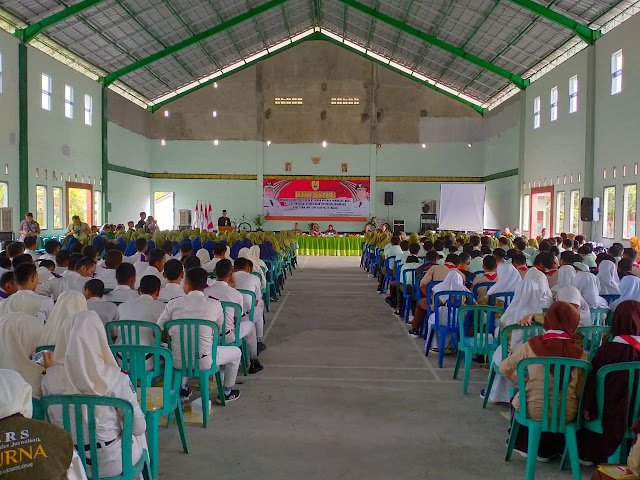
x=315, y=184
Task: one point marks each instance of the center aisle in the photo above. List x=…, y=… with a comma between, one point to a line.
x=346, y=394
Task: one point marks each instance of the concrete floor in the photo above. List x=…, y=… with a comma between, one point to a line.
x=347, y=394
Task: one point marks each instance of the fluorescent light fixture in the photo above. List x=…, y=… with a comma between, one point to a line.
x=324, y=143
x=424, y=145
x=163, y=98
x=256, y=56
x=216, y=142
x=268, y=143
x=471, y=145
x=214, y=114
x=215, y=84
x=331, y=35
x=355, y=46
x=278, y=46
x=302, y=35
x=163, y=142
x=186, y=87
x=166, y=113
x=402, y=68
x=420, y=77
x=377, y=57
x=233, y=67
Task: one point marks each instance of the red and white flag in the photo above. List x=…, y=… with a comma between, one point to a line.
x=205, y=216
x=210, y=215
x=195, y=217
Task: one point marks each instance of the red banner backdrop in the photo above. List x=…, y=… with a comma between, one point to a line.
x=316, y=199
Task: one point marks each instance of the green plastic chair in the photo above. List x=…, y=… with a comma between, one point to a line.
x=129, y=333
x=189, y=333
x=134, y=358
x=554, y=409
x=238, y=342
x=633, y=409
x=600, y=316
x=593, y=338
x=253, y=301
x=265, y=297
x=89, y=403
x=36, y=409
x=528, y=332
x=481, y=341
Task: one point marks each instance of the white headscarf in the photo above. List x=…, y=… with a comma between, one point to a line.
x=526, y=301
x=535, y=275
x=572, y=295
x=19, y=334
x=246, y=253
x=22, y=301
x=565, y=277
x=589, y=287
x=68, y=303
x=83, y=352
x=255, y=256
x=16, y=394
x=629, y=290
x=452, y=282
x=508, y=279
x=203, y=255
x=608, y=276
x=227, y=254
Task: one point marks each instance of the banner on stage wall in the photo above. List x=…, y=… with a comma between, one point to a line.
x=315, y=199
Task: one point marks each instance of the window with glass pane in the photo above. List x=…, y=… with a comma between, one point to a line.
x=536, y=112
x=46, y=92
x=560, y=212
x=574, y=225
x=68, y=101
x=525, y=213
x=57, y=207
x=573, y=94
x=41, y=206
x=629, y=209
x=97, y=208
x=616, y=72
x=88, y=110
x=4, y=194
x=554, y=104
x=609, y=212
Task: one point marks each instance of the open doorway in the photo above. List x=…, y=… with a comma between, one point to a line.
x=541, y=211
x=164, y=209
x=80, y=202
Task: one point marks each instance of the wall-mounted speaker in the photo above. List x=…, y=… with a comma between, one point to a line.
x=589, y=209
x=388, y=198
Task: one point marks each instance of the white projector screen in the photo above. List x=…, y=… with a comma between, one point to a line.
x=462, y=206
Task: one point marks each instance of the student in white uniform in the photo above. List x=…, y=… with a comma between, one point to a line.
x=62, y=261
x=30, y=243
x=141, y=248
x=84, y=270
x=8, y=285
x=167, y=248
x=145, y=308
x=219, y=252
x=19, y=335
x=51, y=248
x=196, y=305
x=126, y=278
x=221, y=290
x=94, y=293
x=69, y=303
x=244, y=280
x=174, y=273
x=25, y=299
x=186, y=250
x=155, y=267
x=589, y=286
x=20, y=259
x=107, y=273
x=85, y=365
x=61, y=461
x=608, y=276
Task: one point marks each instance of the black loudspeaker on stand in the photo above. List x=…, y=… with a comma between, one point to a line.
x=388, y=198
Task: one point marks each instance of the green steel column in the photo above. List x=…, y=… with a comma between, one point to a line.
x=105, y=156
x=23, y=146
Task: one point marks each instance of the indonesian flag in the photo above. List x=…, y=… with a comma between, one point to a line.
x=210, y=215
x=201, y=217
x=196, y=217
x=205, y=216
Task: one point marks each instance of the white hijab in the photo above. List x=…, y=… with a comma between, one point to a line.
x=608, y=276
x=589, y=287
x=255, y=256
x=508, y=279
x=227, y=254
x=535, y=275
x=16, y=394
x=526, y=301
x=566, y=273
x=629, y=290
x=452, y=282
x=203, y=255
x=22, y=301
x=83, y=352
x=68, y=303
x=572, y=295
x=19, y=334
x=246, y=253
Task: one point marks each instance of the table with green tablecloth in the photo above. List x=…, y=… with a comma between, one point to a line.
x=329, y=246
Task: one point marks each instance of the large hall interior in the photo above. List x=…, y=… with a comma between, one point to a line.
x=331, y=239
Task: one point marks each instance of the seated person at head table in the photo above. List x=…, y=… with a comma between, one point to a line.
x=331, y=232
x=296, y=230
x=315, y=231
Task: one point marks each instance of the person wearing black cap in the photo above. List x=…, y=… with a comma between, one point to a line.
x=360, y=206
x=223, y=221
x=271, y=205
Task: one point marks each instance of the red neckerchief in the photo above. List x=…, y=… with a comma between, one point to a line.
x=631, y=341
x=449, y=265
x=523, y=269
x=491, y=276
x=550, y=272
x=556, y=334
x=536, y=266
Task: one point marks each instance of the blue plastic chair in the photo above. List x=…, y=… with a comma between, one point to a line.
x=408, y=278
x=480, y=285
x=454, y=303
x=480, y=342
x=77, y=403
x=134, y=359
x=610, y=298
x=387, y=276
x=557, y=373
x=396, y=269
x=506, y=297
x=428, y=289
